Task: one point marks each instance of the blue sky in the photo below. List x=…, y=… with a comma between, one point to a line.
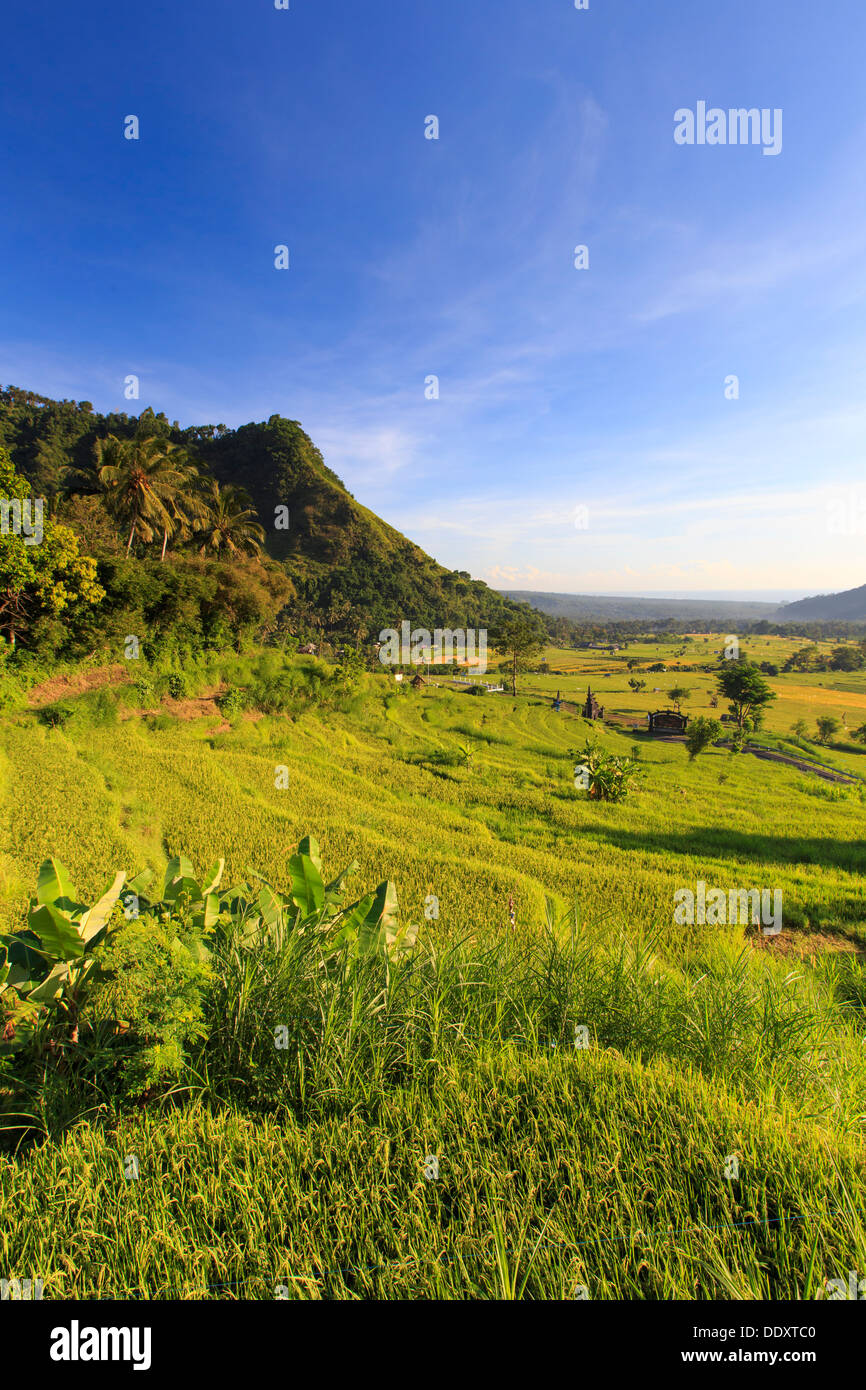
x=559, y=388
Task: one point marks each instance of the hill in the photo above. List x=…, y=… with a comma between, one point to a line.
x=582, y=607
x=338, y=554
x=847, y=607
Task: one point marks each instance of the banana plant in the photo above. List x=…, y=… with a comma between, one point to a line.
x=371, y=925
x=263, y=913
x=48, y=963
x=45, y=966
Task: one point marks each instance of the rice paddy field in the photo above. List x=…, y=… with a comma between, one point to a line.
x=801, y=695
x=703, y=1139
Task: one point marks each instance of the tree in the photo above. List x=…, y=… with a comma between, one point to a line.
x=678, y=693
x=860, y=734
x=702, y=733
x=522, y=636
x=144, y=482
x=827, y=727
x=44, y=579
x=637, y=685
x=847, y=659
x=229, y=521
x=800, y=729
x=746, y=689
x=806, y=659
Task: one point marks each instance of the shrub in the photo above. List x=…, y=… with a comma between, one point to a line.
x=151, y=996
x=177, y=685
x=232, y=702
x=701, y=734
x=94, y=1005
x=145, y=691
x=609, y=777
x=160, y=722
x=56, y=715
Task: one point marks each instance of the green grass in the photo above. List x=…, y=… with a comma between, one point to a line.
x=605, y=1167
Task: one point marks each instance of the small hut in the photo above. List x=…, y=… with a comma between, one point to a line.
x=417, y=681
x=667, y=721
x=592, y=709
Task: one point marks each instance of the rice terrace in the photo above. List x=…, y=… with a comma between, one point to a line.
x=375, y=931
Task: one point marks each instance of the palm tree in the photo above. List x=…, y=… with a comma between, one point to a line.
x=144, y=483
x=228, y=520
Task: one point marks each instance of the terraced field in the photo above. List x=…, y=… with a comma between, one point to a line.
x=605, y=1170
x=506, y=822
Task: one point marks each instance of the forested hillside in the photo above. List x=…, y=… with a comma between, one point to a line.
x=338, y=561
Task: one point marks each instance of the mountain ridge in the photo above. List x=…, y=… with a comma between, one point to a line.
x=338, y=553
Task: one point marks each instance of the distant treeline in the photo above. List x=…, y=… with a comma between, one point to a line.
x=565, y=632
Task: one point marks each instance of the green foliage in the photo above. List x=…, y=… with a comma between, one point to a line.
x=177, y=685
x=338, y=556
x=847, y=659
x=232, y=702
x=827, y=727
x=679, y=693
x=610, y=776
x=228, y=522
x=40, y=581
x=469, y=1052
x=147, y=484
x=150, y=995
x=701, y=734
x=145, y=690
x=48, y=965
x=130, y=1001
x=701, y=1044
x=521, y=634
x=745, y=688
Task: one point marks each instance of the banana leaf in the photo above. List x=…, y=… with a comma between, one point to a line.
x=176, y=869
x=58, y=936
x=213, y=877
x=95, y=919
x=307, y=889
x=51, y=986
x=310, y=848
x=54, y=884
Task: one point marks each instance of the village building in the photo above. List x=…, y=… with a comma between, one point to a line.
x=667, y=721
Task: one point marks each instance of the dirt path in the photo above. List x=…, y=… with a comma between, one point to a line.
x=78, y=683
x=770, y=756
